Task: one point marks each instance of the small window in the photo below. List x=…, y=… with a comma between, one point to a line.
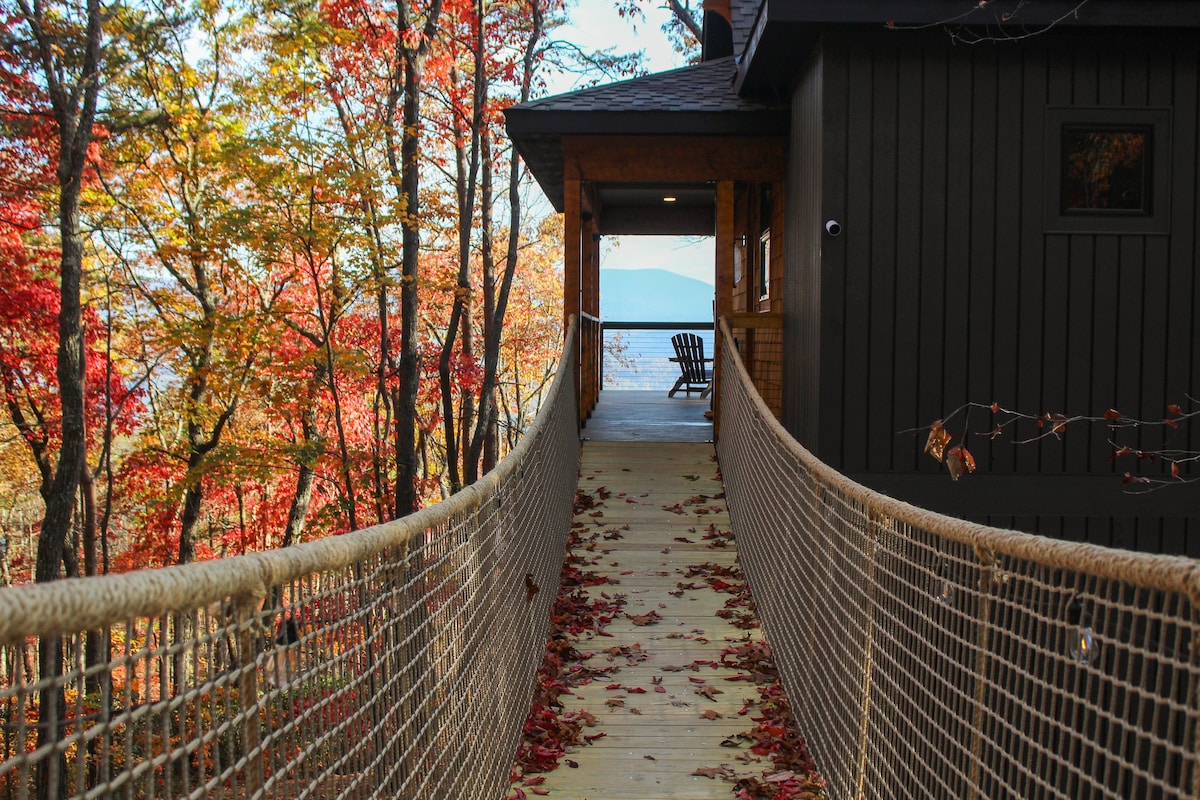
x=765, y=208
x=1108, y=170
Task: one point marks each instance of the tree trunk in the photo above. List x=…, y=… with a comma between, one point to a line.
x=494, y=318
x=193, y=497
x=343, y=447
x=302, y=497
x=74, y=112
x=383, y=405
x=410, y=368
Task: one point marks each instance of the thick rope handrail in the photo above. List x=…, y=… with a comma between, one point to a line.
x=86, y=603
x=364, y=666
x=932, y=657
x=1175, y=573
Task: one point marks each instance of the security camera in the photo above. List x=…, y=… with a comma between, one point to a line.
x=833, y=227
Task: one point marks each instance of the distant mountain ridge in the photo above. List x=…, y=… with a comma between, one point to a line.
x=653, y=295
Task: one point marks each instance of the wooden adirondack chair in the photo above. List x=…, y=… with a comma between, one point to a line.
x=694, y=376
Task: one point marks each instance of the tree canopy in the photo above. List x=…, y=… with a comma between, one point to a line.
x=269, y=271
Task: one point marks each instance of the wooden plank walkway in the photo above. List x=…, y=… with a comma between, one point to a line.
x=664, y=710
x=631, y=415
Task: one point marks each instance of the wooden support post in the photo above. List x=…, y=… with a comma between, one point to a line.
x=724, y=287
x=591, y=306
x=572, y=239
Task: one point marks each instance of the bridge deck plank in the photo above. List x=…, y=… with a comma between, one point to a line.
x=656, y=738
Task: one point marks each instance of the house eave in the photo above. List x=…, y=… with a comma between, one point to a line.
x=786, y=30
x=538, y=129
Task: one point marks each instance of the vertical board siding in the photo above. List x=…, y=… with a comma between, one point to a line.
x=984, y=271
x=879, y=315
x=833, y=253
x=861, y=212
x=907, y=344
x=1030, y=270
x=944, y=287
x=1182, y=326
x=803, y=241
x=1005, y=361
x=931, y=196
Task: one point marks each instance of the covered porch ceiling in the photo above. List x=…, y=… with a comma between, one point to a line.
x=687, y=209
x=655, y=155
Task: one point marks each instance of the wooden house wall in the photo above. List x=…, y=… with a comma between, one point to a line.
x=761, y=348
x=802, y=296
x=741, y=253
x=945, y=286
x=767, y=351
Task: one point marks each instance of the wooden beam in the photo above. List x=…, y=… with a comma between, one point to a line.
x=590, y=279
x=724, y=286
x=686, y=221
x=572, y=254
x=572, y=238
x=590, y=354
x=638, y=159
x=755, y=320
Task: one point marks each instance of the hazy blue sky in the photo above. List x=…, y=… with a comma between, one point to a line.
x=690, y=256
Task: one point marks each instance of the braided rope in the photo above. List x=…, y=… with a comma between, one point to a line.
x=357, y=666
x=933, y=657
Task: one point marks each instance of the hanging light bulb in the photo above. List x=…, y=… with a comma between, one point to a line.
x=1085, y=646
x=1082, y=642
x=946, y=595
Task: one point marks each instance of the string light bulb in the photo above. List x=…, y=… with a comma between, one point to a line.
x=1082, y=641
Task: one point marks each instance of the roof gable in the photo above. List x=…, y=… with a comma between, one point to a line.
x=699, y=100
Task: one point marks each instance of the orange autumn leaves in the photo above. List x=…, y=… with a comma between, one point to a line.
x=958, y=459
x=1160, y=445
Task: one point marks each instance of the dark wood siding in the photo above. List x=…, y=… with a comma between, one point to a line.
x=945, y=287
x=802, y=300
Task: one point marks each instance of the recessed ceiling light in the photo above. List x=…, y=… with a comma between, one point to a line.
x=668, y=199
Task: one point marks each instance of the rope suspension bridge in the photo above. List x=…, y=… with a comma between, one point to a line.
x=924, y=656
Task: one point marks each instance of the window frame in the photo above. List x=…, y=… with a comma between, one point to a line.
x=766, y=207
x=1156, y=122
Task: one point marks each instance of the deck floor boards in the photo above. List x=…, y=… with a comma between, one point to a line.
x=624, y=415
x=655, y=740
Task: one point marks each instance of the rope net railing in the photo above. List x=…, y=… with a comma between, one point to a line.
x=396, y=661
x=930, y=657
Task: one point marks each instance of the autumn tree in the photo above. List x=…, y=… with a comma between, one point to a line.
x=54, y=70
x=305, y=240
x=59, y=59
x=324, y=183
x=496, y=294
x=531, y=345
x=466, y=83
x=176, y=188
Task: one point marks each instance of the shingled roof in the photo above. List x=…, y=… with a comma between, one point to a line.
x=622, y=107
x=744, y=13
x=691, y=101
